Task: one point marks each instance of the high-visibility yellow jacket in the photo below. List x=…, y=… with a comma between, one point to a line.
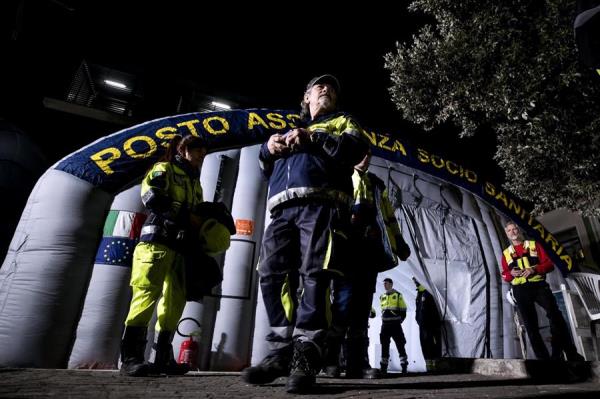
x=373, y=217
x=393, y=307
x=170, y=191
x=524, y=257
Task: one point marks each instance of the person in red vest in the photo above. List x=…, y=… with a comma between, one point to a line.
x=525, y=265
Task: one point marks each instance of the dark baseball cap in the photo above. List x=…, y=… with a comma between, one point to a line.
x=330, y=79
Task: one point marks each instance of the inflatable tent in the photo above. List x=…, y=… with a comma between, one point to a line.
x=64, y=283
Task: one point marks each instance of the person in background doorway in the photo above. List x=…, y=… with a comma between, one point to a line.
x=393, y=313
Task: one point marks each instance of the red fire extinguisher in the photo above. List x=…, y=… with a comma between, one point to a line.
x=189, y=349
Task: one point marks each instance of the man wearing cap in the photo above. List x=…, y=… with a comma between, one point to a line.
x=310, y=192
x=393, y=313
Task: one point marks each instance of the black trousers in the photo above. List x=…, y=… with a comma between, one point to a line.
x=389, y=331
x=351, y=307
x=527, y=295
x=303, y=242
x=431, y=341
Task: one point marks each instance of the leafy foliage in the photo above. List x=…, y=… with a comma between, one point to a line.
x=511, y=69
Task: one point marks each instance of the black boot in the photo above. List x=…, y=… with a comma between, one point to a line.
x=133, y=347
x=332, y=357
x=357, y=362
x=383, y=366
x=164, y=362
x=270, y=368
x=306, y=363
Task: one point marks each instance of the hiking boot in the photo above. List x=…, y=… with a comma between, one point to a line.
x=269, y=369
x=404, y=364
x=306, y=363
x=164, y=361
x=332, y=357
x=133, y=347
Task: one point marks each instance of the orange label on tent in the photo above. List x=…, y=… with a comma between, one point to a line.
x=244, y=227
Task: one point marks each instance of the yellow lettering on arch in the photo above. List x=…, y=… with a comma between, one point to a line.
x=255, y=119
x=567, y=259
x=291, y=118
x=422, y=155
x=513, y=206
x=165, y=134
x=127, y=146
x=190, y=125
x=399, y=147
x=490, y=189
x=452, y=167
x=105, y=157
x=276, y=121
x=540, y=229
x=382, y=141
x=502, y=197
x=553, y=241
x=371, y=136
x=224, y=125
x=471, y=176
x=439, y=164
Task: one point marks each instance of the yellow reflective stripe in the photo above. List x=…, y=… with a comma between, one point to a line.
x=328, y=252
x=507, y=256
x=286, y=299
x=518, y=280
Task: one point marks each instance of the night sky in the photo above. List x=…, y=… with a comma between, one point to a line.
x=266, y=56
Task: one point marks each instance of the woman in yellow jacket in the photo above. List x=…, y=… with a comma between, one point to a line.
x=172, y=194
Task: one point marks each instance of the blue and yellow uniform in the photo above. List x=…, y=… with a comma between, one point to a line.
x=310, y=193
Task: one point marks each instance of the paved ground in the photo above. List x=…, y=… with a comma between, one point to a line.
x=40, y=383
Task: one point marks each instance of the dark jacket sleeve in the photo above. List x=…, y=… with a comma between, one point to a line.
x=266, y=160
x=345, y=149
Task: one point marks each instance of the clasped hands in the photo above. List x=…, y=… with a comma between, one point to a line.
x=282, y=144
x=527, y=272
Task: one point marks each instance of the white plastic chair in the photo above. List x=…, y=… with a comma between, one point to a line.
x=587, y=286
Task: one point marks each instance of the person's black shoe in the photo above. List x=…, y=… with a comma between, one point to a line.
x=306, y=363
x=133, y=347
x=269, y=369
x=164, y=361
x=368, y=373
x=133, y=367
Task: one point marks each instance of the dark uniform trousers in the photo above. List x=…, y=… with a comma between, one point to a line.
x=305, y=239
x=527, y=295
x=392, y=330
